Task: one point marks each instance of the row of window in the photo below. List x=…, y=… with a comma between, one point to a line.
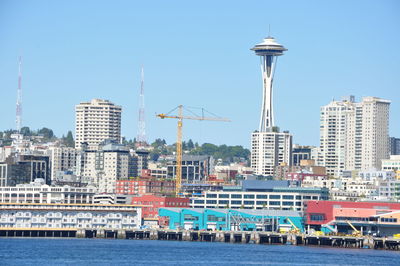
x=248, y=202
x=251, y=196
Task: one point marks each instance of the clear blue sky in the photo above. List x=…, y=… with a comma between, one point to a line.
x=196, y=53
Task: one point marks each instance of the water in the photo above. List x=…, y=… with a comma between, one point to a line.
x=34, y=251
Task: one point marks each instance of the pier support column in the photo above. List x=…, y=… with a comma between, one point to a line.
x=219, y=237
x=255, y=238
x=153, y=235
x=244, y=238
x=80, y=233
x=121, y=234
x=369, y=242
x=186, y=235
x=291, y=239
x=101, y=234
x=232, y=238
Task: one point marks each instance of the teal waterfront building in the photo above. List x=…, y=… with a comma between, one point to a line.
x=232, y=219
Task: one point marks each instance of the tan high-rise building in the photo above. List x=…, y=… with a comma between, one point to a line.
x=354, y=136
x=96, y=121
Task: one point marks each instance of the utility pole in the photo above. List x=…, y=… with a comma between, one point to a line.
x=141, y=136
x=19, y=97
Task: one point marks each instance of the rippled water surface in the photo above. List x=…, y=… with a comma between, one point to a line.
x=33, y=251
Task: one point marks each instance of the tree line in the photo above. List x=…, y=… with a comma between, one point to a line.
x=45, y=134
x=227, y=154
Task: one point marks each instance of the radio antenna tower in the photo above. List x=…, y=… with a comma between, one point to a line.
x=19, y=97
x=141, y=136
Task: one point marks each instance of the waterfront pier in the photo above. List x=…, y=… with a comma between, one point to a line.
x=239, y=237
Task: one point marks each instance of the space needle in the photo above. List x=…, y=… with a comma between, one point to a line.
x=268, y=50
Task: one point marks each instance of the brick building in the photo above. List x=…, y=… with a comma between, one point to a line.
x=145, y=186
x=156, y=202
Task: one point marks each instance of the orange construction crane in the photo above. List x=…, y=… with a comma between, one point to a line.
x=180, y=117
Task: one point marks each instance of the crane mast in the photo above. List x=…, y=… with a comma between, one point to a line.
x=180, y=117
x=178, y=182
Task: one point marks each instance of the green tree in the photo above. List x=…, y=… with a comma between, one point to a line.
x=190, y=145
x=159, y=143
x=26, y=131
x=47, y=133
x=69, y=140
x=184, y=145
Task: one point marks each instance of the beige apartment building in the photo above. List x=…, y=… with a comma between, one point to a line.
x=96, y=121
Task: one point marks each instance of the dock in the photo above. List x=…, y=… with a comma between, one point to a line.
x=242, y=237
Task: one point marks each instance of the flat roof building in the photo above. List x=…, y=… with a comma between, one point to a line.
x=277, y=198
x=69, y=216
x=229, y=219
x=96, y=121
x=41, y=193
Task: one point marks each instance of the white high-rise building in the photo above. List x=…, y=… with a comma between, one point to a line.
x=354, y=136
x=269, y=147
x=96, y=121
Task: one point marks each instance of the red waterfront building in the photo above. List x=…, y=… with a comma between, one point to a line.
x=367, y=216
x=321, y=212
x=155, y=202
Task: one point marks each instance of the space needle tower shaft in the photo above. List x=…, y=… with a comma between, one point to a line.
x=268, y=50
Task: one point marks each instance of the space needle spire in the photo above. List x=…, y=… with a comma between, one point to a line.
x=268, y=50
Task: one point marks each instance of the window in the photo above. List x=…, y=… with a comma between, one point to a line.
x=317, y=217
x=275, y=203
x=389, y=220
x=288, y=197
x=213, y=218
x=189, y=217
x=249, y=202
x=236, y=196
x=236, y=202
x=287, y=203
x=212, y=196
x=211, y=202
x=248, y=196
x=224, y=196
x=223, y=202
x=262, y=196
x=275, y=196
x=199, y=201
